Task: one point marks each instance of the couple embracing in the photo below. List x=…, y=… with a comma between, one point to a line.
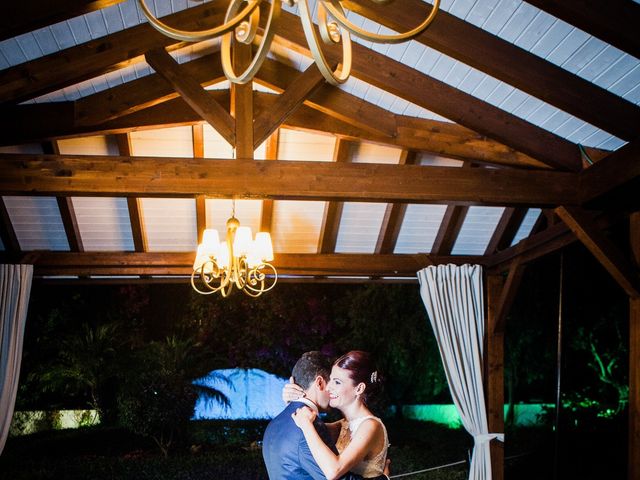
x=299, y=446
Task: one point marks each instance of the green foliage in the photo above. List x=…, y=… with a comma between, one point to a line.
x=158, y=394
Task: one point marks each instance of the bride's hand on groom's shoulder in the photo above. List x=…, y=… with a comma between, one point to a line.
x=292, y=391
x=303, y=417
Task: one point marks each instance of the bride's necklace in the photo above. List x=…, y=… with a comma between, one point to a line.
x=354, y=423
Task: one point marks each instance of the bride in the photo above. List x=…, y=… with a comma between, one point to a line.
x=362, y=438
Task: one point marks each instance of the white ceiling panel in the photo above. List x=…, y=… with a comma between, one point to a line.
x=311, y=147
x=476, y=231
x=297, y=226
x=359, y=227
x=104, y=223
x=419, y=228
x=215, y=146
x=37, y=223
x=97, y=145
x=166, y=142
x=170, y=224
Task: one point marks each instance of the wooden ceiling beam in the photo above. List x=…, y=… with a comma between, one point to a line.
x=65, y=206
x=612, y=178
x=266, y=216
x=181, y=263
x=134, y=205
x=143, y=92
x=267, y=121
x=378, y=124
x=507, y=62
x=26, y=123
x=70, y=223
x=29, y=174
x=331, y=100
x=616, y=24
x=462, y=108
x=193, y=94
x=7, y=232
x=197, y=140
x=610, y=257
x=333, y=210
x=506, y=229
x=97, y=57
x=393, y=215
x=241, y=104
x=201, y=216
x=449, y=229
x=31, y=15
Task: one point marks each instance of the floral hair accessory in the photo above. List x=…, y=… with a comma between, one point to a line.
x=374, y=376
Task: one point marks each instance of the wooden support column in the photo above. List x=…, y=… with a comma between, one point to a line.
x=634, y=359
x=273, y=144
x=494, y=372
x=242, y=104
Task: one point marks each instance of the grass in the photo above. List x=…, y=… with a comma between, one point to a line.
x=231, y=450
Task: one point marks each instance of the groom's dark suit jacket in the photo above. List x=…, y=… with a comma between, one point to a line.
x=285, y=450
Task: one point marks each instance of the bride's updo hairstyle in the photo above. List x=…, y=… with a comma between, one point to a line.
x=362, y=370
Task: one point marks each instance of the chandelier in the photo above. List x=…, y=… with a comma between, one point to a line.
x=243, y=17
x=238, y=261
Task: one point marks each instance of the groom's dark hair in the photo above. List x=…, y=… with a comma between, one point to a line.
x=309, y=366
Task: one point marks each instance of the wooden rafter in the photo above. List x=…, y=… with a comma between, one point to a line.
x=241, y=104
x=134, y=205
x=507, y=296
x=393, y=215
x=201, y=216
x=193, y=94
x=65, y=206
x=616, y=24
x=634, y=356
x=27, y=123
x=181, y=263
x=333, y=210
x=449, y=229
x=267, y=121
x=583, y=226
x=7, y=233
x=197, y=138
x=143, y=92
x=96, y=57
x=27, y=174
x=506, y=229
x=266, y=216
x=523, y=70
x=441, y=98
x=30, y=15
x=613, y=176
x=70, y=223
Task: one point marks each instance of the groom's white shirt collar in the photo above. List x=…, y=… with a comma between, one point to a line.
x=308, y=403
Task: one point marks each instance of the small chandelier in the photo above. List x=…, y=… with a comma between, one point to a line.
x=243, y=17
x=239, y=261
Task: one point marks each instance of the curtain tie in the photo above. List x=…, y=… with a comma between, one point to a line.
x=487, y=437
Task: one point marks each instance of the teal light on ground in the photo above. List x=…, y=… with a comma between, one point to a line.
x=524, y=414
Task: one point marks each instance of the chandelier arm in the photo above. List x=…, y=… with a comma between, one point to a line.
x=198, y=35
x=257, y=275
x=341, y=74
x=335, y=10
x=207, y=278
x=263, y=48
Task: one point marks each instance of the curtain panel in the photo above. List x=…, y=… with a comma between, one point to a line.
x=15, y=287
x=454, y=299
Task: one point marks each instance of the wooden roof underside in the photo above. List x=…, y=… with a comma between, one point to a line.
x=507, y=161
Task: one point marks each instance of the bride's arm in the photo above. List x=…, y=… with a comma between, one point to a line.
x=332, y=465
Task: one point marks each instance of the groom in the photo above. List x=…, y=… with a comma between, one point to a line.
x=284, y=448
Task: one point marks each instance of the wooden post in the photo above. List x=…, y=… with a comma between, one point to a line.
x=494, y=373
x=634, y=359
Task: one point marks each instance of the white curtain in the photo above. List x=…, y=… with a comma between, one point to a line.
x=15, y=286
x=453, y=298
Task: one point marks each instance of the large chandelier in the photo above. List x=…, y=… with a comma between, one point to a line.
x=240, y=261
x=243, y=17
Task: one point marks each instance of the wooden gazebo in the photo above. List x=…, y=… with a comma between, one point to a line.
x=504, y=132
